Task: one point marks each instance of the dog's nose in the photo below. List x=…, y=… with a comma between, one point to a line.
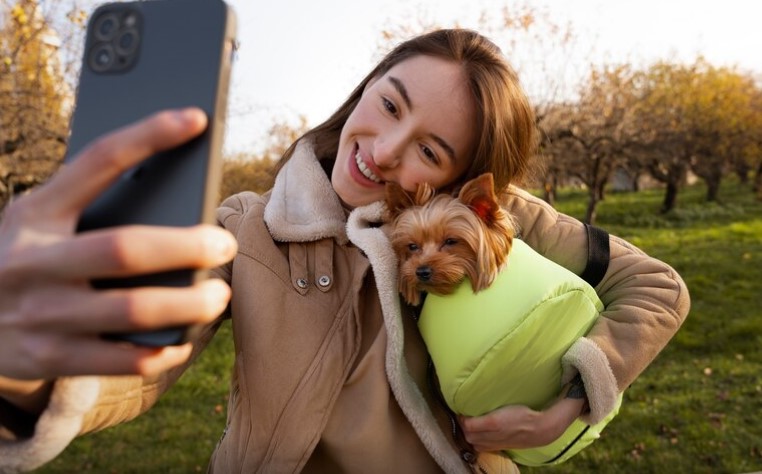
x=424, y=273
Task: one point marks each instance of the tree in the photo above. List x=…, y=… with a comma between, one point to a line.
x=663, y=142
x=588, y=136
x=35, y=98
x=722, y=120
x=698, y=118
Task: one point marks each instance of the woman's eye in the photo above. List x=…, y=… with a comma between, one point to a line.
x=429, y=154
x=389, y=106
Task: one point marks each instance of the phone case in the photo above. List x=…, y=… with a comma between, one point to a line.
x=141, y=57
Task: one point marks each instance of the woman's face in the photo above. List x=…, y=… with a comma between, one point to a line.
x=412, y=125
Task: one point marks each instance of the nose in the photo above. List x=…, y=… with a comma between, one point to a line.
x=389, y=149
x=424, y=273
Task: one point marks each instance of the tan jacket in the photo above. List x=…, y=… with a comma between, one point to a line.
x=300, y=272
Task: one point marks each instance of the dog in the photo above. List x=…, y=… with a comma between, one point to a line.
x=441, y=239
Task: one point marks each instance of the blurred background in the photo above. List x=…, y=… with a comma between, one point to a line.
x=651, y=122
x=623, y=83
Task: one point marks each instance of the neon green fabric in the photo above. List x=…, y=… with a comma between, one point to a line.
x=503, y=345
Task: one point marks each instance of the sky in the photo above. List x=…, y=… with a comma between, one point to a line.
x=303, y=57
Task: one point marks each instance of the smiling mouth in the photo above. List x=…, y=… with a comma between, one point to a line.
x=365, y=170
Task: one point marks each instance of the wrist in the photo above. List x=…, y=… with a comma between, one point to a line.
x=575, y=390
x=571, y=403
x=31, y=396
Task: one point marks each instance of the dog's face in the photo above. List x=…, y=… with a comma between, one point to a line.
x=440, y=240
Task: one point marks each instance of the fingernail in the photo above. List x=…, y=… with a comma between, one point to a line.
x=189, y=115
x=222, y=293
x=222, y=244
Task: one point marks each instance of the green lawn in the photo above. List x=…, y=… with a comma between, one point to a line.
x=695, y=410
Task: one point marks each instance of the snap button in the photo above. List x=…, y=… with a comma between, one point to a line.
x=324, y=280
x=301, y=283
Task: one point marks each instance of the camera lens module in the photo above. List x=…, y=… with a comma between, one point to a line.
x=106, y=26
x=114, y=40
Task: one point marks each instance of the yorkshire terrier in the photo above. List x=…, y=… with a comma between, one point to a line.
x=440, y=239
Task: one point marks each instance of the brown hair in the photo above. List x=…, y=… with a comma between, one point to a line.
x=505, y=120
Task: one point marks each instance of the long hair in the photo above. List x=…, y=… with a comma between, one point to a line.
x=505, y=125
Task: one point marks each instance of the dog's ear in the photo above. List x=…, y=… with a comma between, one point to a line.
x=479, y=195
x=397, y=199
x=423, y=194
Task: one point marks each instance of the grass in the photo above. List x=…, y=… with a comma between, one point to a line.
x=696, y=409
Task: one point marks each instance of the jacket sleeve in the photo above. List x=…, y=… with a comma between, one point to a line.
x=645, y=300
x=80, y=405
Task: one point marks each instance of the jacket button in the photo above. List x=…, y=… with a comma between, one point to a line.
x=301, y=283
x=324, y=280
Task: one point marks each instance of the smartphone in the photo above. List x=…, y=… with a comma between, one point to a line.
x=141, y=57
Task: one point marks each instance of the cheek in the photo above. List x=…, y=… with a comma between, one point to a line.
x=415, y=172
x=361, y=118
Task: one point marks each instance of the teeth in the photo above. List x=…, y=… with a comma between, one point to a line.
x=365, y=170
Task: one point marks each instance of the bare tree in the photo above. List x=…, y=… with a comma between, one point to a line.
x=587, y=139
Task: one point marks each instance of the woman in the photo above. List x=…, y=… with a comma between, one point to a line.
x=330, y=370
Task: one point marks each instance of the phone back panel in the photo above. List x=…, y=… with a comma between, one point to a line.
x=177, y=54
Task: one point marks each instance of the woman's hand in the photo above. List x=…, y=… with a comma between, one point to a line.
x=518, y=427
x=50, y=317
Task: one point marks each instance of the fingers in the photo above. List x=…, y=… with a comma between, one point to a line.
x=91, y=312
x=129, y=251
x=97, y=357
x=97, y=166
x=507, y=427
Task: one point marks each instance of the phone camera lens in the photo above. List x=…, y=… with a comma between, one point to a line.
x=102, y=58
x=127, y=42
x=106, y=27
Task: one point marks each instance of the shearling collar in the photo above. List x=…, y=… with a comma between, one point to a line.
x=303, y=206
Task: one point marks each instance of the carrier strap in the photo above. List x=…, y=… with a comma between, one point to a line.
x=598, y=255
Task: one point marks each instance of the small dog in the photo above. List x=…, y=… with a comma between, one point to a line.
x=441, y=239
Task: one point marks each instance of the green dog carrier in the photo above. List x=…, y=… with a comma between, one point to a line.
x=503, y=345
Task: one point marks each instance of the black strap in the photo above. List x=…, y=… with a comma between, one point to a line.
x=598, y=255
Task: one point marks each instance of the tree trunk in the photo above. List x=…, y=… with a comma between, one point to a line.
x=635, y=183
x=601, y=190
x=742, y=171
x=670, y=197
x=712, y=189
x=592, y=205
x=758, y=182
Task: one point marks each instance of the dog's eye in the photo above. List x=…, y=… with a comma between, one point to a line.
x=450, y=241
x=412, y=247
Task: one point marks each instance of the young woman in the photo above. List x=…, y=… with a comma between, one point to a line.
x=329, y=370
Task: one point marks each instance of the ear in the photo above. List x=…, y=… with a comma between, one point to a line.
x=423, y=194
x=397, y=199
x=479, y=195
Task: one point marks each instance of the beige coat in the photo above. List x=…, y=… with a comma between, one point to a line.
x=301, y=274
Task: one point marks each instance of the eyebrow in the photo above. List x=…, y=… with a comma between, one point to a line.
x=402, y=90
